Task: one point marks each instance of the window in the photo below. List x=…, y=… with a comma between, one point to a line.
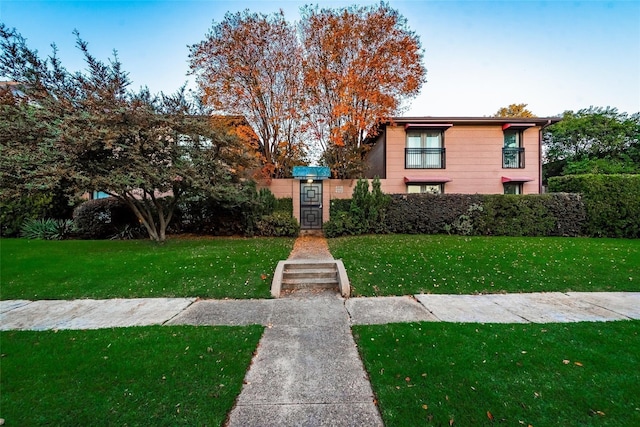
x=99, y=195
x=425, y=150
x=512, y=188
x=512, y=151
x=436, y=188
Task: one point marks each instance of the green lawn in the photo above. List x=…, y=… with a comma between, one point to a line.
x=160, y=376
x=214, y=268
x=411, y=264
x=441, y=374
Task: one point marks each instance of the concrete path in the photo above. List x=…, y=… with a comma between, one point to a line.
x=548, y=307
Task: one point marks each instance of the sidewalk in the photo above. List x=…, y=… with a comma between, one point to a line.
x=548, y=307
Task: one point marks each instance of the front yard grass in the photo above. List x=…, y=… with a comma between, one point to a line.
x=211, y=268
x=437, y=374
x=412, y=264
x=127, y=376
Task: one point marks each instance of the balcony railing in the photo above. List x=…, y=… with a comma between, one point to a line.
x=424, y=158
x=513, y=158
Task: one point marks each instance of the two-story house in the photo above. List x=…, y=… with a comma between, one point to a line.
x=486, y=155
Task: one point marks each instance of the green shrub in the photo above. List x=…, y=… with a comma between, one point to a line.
x=612, y=202
x=365, y=214
x=284, y=205
x=15, y=211
x=231, y=209
x=278, y=224
x=340, y=224
x=47, y=229
x=267, y=201
x=339, y=205
x=516, y=215
x=429, y=213
x=103, y=218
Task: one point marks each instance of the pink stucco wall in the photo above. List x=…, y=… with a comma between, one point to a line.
x=331, y=189
x=473, y=160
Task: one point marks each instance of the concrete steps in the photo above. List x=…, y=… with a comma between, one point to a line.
x=309, y=275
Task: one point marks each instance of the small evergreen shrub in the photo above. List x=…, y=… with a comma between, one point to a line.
x=47, y=229
x=612, y=202
x=284, y=205
x=15, y=211
x=366, y=212
x=278, y=224
x=103, y=218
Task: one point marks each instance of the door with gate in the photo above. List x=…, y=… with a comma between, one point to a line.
x=310, y=205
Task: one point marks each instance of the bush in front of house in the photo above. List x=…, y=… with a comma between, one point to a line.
x=285, y=205
x=366, y=211
x=103, y=218
x=278, y=224
x=555, y=214
x=429, y=213
x=612, y=202
x=47, y=229
x=14, y=212
x=469, y=214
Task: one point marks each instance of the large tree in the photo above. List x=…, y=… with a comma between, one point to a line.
x=514, y=110
x=593, y=140
x=360, y=64
x=250, y=64
x=89, y=129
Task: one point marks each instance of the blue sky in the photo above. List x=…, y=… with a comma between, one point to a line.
x=480, y=56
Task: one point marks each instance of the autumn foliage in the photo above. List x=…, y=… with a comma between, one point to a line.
x=314, y=91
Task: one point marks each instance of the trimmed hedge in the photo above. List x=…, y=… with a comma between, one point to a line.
x=278, y=224
x=612, y=202
x=472, y=214
x=103, y=218
x=427, y=213
x=284, y=205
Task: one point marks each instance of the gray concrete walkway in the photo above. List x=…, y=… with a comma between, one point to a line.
x=501, y=308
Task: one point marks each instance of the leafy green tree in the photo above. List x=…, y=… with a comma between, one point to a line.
x=514, y=110
x=593, y=140
x=90, y=130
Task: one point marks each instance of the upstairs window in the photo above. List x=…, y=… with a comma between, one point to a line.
x=425, y=150
x=512, y=150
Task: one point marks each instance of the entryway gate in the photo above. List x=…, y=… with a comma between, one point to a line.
x=310, y=205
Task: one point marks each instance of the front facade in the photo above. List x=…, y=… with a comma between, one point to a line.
x=468, y=155
x=484, y=155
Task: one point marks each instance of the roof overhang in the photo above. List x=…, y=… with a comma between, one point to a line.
x=517, y=126
x=425, y=179
x=516, y=179
x=428, y=125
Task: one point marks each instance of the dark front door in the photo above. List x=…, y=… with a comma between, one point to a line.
x=310, y=205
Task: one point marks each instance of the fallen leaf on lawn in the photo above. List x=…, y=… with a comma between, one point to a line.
x=407, y=379
x=578, y=363
x=566, y=362
x=490, y=415
x=263, y=276
x=451, y=422
x=425, y=407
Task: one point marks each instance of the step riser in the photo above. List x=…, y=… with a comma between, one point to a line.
x=310, y=266
x=319, y=275
x=290, y=287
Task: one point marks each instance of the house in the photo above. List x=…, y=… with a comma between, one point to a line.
x=469, y=155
